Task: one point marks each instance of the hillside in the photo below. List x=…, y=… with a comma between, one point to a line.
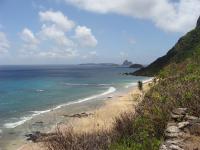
x=183, y=49
x=144, y=127
x=178, y=86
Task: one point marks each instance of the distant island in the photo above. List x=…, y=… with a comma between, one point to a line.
x=129, y=64
x=125, y=63
x=99, y=64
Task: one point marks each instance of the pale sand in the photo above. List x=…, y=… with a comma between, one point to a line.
x=103, y=117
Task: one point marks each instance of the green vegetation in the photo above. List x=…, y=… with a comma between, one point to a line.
x=185, y=48
x=178, y=85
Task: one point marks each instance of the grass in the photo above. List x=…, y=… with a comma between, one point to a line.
x=178, y=85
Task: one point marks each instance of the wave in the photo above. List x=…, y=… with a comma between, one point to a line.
x=39, y=90
x=148, y=80
x=131, y=84
x=135, y=83
x=36, y=113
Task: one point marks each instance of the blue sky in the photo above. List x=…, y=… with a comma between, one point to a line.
x=80, y=31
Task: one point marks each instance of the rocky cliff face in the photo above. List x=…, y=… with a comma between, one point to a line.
x=127, y=63
x=198, y=23
x=183, y=49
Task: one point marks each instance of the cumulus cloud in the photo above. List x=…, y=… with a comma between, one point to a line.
x=58, y=53
x=55, y=34
x=85, y=37
x=90, y=54
x=93, y=53
x=28, y=37
x=58, y=18
x=4, y=43
x=30, y=42
x=54, y=40
x=169, y=15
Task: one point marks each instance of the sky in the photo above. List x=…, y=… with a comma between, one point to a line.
x=92, y=31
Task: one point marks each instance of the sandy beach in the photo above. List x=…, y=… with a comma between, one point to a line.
x=102, y=116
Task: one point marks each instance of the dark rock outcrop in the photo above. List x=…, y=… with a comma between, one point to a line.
x=198, y=23
x=136, y=66
x=38, y=136
x=80, y=115
x=127, y=63
x=185, y=48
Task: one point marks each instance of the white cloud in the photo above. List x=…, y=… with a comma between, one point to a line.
x=4, y=43
x=93, y=53
x=28, y=36
x=174, y=16
x=85, y=37
x=57, y=18
x=55, y=34
x=30, y=41
x=58, y=53
x=90, y=54
x=54, y=40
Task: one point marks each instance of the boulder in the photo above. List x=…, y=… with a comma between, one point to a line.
x=172, y=129
x=188, y=117
x=177, y=117
x=175, y=147
x=173, y=135
x=180, y=111
x=163, y=147
x=174, y=141
x=182, y=125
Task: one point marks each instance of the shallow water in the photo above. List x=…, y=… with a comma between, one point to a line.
x=28, y=92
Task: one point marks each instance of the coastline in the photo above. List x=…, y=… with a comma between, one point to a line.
x=103, y=111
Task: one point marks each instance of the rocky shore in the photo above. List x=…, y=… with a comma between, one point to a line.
x=182, y=132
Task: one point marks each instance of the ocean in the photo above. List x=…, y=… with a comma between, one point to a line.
x=29, y=91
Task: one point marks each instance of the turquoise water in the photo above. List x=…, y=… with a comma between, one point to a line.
x=28, y=91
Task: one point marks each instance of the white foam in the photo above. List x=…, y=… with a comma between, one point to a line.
x=39, y=90
x=110, y=90
x=36, y=113
x=131, y=84
x=15, y=124
x=148, y=80
x=135, y=83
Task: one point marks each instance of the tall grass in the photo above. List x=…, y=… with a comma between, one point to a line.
x=178, y=86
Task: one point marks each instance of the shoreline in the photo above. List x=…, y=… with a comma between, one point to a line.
x=24, y=119
x=103, y=115
x=51, y=119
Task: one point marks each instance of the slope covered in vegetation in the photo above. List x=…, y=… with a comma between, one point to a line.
x=184, y=49
x=178, y=85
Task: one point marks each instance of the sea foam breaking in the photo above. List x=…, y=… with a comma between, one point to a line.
x=24, y=119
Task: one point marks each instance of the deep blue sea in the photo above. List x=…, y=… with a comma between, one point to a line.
x=28, y=91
